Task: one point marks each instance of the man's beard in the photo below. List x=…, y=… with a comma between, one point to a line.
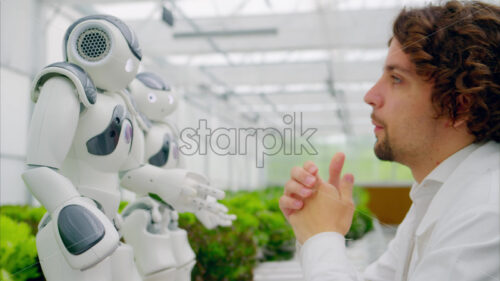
x=383, y=149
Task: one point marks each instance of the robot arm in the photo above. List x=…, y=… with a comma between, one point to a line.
x=184, y=190
x=53, y=124
x=156, y=100
x=83, y=233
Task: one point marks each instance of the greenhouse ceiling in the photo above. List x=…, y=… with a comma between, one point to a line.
x=264, y=57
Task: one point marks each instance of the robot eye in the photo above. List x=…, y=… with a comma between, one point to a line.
x=152, y=97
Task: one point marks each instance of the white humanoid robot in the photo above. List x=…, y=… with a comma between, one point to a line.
x=81, y=137
x=155, y=101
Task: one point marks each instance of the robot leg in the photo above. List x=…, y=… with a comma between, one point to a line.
x=185, y=258
x=123, y=265
x=153, y=251
x=184, y=254
x=54, y=265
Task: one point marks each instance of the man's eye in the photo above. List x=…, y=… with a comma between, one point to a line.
x=396, y=80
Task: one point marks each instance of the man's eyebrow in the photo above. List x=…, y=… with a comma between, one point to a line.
x=391, y=67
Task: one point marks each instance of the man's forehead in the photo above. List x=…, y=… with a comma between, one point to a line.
x=397, y=59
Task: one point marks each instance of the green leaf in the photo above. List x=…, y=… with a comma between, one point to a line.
x=17, y=250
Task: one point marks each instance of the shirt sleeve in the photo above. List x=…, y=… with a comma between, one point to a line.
x=323, y=257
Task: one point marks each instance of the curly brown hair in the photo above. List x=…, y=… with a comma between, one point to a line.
x=457, y=46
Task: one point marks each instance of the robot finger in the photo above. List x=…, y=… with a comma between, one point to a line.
x=212, y=208
x=199, y=203
x=227, y=217
x=210, y=191
x=221, y=208
x=188, y=191
x=225, y=222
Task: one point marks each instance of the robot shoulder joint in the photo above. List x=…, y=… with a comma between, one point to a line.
x=87, y=92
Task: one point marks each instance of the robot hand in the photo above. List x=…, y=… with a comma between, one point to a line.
x=83, y=233
x=185, y=191
x=213, y=219
x=196, y=195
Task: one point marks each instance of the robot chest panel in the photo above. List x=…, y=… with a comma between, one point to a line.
x=162, y=147
x=105, y=134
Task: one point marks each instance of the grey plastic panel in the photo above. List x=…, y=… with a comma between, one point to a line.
x=79, y=229
x=129, y=35
x=135, y=206
x=79, y=73
x=161, y=157
x=152, y=81
x=106, y=142
x=151, y=227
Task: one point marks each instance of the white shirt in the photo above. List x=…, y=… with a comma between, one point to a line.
x=450, y=233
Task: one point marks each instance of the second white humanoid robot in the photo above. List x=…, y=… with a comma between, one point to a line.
x=154, y=101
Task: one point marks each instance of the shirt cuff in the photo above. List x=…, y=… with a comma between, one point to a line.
x=324, y=254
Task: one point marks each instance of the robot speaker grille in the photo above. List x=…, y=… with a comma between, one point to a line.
x=93, y=44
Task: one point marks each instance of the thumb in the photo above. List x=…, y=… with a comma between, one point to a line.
x=346, y=185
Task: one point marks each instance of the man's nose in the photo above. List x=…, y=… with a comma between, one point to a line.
x=373, y=97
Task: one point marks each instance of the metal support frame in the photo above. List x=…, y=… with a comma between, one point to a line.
x=226, y=33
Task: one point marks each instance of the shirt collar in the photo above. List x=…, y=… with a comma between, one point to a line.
x=440, y=174
x=444, y=170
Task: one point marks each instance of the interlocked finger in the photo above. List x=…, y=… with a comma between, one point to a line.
x=302, y=176
x=296, y=189
x=289, y=203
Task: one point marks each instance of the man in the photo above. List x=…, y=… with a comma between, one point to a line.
x=436, y=109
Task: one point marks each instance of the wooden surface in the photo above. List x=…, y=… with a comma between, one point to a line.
x=389, y=204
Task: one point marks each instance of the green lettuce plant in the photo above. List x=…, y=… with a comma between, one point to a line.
x=18, y=257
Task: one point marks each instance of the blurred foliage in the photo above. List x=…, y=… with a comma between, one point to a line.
x=260, y=233
x=273, y=234
x=122, y=206
x=221, y=253
x=27, y=214
x=18, y=257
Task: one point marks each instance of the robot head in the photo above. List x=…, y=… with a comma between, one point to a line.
x=105, y=48
x=152, y=96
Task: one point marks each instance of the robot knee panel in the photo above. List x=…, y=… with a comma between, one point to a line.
x=54, y=265
x=79, y=229
x=83, y=234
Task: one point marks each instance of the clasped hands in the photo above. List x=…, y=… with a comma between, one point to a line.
x=312, y=205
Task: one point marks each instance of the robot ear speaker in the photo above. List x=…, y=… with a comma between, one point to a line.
x=93, y=44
